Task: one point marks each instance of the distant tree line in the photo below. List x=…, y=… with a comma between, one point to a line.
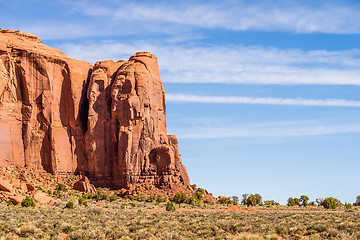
x=256, y=200
x=302, y=201
x=328, y=203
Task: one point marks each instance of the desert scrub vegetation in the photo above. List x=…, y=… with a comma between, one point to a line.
x=252, y=199
x=170, y=206
x=69, y=205
x=109, y=223
x=28, y=202
x=330, y=203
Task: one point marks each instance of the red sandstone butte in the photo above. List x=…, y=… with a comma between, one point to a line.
x=65, y=116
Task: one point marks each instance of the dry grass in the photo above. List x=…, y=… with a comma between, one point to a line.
x=120, y=220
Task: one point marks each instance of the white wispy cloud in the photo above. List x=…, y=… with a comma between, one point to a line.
x=93, y=19
x=235, y=64
x=325, y=17
x=261, y=130
x=267, y=101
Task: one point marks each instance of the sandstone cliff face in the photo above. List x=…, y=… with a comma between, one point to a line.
x=107, y=121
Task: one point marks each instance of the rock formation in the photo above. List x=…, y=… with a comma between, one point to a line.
x=65, y=116
x=84, y=185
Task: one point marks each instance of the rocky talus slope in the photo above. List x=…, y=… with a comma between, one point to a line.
x=65, y=116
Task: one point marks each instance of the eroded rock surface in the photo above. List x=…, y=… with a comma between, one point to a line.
x=6, y=186
x=40, y=92
x=84, y=185
x=65, y=116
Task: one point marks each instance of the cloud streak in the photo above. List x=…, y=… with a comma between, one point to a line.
x=111, y=18
x=266, y=101
x=329, y=17
x=236, y=64
x=264, y=130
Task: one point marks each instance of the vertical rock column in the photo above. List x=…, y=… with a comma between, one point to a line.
x=139, y=118
x=99, y=147
x=40, y=91
x=11, y=145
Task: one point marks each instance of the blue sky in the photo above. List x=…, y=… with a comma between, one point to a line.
x=263, y=95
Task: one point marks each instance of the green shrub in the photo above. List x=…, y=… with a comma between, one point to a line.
x=61, y=187
x=28, y=202
x=199, y=193
x=69, y=205
x=312, y=203
x=330, y=203
x=304, y=200
x=150, y=198
x=131, y=197
x=252, y=199
x=100, y=195
x=193, y=201
x=82, y=201
x=140, y=198
x=10, y=203
x=179, y=198
x=297, y=201
x=57, y=193
x=291, y=202
x=132, y=204
x=87, y=195
x=357, y=203
x=348, y=206
x=224, y=200
x=113, y=198
x=271, y=203
x=170, y=206
x=160, y=199
x=235, y=199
